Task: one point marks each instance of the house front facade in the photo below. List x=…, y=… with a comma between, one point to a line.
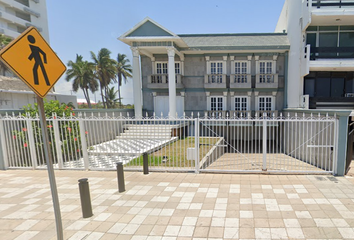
x=214, y=74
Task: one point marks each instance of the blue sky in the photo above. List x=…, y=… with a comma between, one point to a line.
x=81, y=26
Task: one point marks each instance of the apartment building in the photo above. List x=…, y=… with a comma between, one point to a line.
x=220, y=74
x=321, y=36
x=17, y=15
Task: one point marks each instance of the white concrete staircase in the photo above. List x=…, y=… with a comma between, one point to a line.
x=146, y=131
x=135, y=140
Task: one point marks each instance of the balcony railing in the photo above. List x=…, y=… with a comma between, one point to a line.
x=266, y=113
x=240, y=81
x=215, y=81
x=266, y=80
x=240, y=114
x=331, y=52
x=161, y=81
x=215, y=114
x=332, y=3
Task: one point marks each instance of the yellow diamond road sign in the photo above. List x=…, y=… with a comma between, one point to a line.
x=33, y=60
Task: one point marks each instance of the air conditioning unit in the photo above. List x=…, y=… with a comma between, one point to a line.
x=349, y=95
x=304, y=101
x=191, y=154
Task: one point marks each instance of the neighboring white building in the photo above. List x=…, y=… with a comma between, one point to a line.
x=17, y=15
x=14, y=94
x=321, y=57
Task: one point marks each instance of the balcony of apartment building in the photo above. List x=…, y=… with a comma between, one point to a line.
x=325, y=4
x=324, y=12
x=160, y=81
x=330, y=90
x=215, y=81
x=329, y=48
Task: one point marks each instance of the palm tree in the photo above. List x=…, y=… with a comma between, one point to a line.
x=124, y=71
x=111, y=97
x=4, y=40
x=105, y=71
x=81, y=72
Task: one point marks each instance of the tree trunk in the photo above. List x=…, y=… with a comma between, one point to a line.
x=108, y=104
x=119, y=84
x=87, y=97
x=102, y=96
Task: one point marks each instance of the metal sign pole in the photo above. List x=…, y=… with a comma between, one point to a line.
x=49, y=159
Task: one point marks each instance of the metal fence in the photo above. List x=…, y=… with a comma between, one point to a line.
x=303, y=144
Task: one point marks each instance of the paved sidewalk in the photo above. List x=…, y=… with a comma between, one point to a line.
x=179, y=206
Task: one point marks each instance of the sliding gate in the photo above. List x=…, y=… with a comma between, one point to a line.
x=302, y=145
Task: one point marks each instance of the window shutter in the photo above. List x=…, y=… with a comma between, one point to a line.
x=257, y=103
x=232, y=103
x=224, y=103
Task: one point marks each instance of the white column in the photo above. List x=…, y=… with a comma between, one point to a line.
x=249, y=59
x=137, y=83
x=153, y=65
x=171, y=83
x=232, y=59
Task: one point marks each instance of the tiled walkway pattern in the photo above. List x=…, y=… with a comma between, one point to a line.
x=179, y=206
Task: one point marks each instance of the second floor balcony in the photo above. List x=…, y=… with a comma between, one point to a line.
x=240, y=81
x=160, y=81
x=267, y=80
x=215, y=81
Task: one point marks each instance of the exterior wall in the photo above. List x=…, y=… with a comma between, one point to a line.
x=291, y=15
x=195, y=68
x=16, y=16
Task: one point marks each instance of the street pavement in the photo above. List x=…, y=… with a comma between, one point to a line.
x=178, y=206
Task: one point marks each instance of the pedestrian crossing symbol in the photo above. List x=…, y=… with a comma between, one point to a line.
x=33, y=60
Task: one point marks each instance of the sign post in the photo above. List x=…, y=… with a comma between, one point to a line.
x=49, y=157
x=33, y=60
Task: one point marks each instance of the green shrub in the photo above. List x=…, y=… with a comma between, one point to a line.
x=69, y=132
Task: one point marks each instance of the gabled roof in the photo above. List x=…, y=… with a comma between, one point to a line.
x=148, y=28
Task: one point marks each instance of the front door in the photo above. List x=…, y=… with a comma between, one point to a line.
x=161, y=105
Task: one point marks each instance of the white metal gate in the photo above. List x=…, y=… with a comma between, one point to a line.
x=292, y=144
x=301, y=144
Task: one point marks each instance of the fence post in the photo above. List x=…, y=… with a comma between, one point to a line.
x=3, y=152
x=120, y=177
x=145, y=163
x=85, y=198
x=264, y=166
x=335, y=143
x=83, y=144
x=196, y=146
x=342, y=145
x=57, y=142
x=32, y=143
